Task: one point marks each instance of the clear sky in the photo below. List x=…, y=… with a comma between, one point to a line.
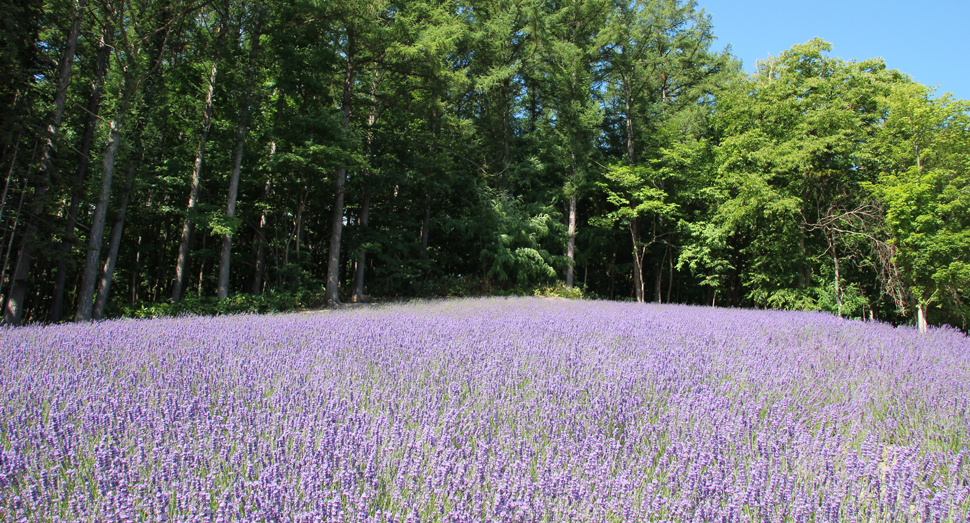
x=928, y=40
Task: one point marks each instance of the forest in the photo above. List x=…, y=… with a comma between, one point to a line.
x=191, y=153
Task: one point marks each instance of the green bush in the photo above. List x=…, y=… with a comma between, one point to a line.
x=271, y=301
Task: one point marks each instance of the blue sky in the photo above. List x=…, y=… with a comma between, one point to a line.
x=928, y=40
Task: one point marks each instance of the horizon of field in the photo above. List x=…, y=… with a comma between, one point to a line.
x=489, y=409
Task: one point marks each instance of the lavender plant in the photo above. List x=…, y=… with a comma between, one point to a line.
x=523, y=409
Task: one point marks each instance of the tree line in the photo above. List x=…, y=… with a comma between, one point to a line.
x=155, y=152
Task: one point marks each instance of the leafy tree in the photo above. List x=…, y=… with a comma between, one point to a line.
x=659, y=64
x=925, y=146
x=793, y=152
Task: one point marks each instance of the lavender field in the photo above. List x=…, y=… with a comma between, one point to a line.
x=522, y=409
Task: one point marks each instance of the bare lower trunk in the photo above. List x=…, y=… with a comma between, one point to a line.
x=13, y=312
x=93, y=258
x=114, y=245
x=298, y=235
x=222, y=290
x=670, y=280
x=803, y=277
x=83, y=160
x=628, y=117
x=6, y=260
x=638, y=285
x=838, y=284
x=571, y=243
x=336, y=224
x=921, y=317
x=264, y=214
x=360, y=268
x=362, y=255
x=658, y=276
x=261, y=236
x=506, y=134
x=332, y=295
x=426, y=227
x=182, y=262
x=637, y=260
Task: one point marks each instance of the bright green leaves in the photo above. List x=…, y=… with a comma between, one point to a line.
x=924, y=187
x=636, y=192
x=794, y=149
x=519, y=247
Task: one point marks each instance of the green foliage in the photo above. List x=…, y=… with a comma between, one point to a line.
x=475, y=132
x=272, y=301
x=517, y=245
x=560, y=291
x=795, y=148
x=635, y=191
x=923, y=184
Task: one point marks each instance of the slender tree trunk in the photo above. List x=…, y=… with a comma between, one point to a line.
x=13, y=312
x=93, y=257
x=298, y=234
x=182, y=262
x=670, y=281
x=838, y=276
x=362, y=255
x=571, y=242
x=332, y=295
x=637, y=260
x=658, y=277
x=205, y=240
x=135, y=274
x=426, y=226
x=638, y=284
x=365, y=203
x=261, y=233
x=222, y=291
x=921, y=317
x=83, y=160
x=13, y=162
x=506, y=135
x=264, y=200
x=114, y=245
x=804, y=279
x=13, y=234
x=628, y=117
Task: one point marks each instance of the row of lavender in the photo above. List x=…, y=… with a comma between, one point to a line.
x=486, y=410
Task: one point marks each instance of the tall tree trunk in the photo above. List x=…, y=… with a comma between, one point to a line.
x=264, y=200
x=838, y=275
x=13, y=163
x=261, y=232
x=222, y=291
x=83, y=160
x=506, y=134
x=298, y=234
x=130, y=86
x=628, y=118
x=13, y=312
x=670, y=279
x=114, y=245
x=93, y=257
x=426, y=226
x=921, y=317
x=332, y=295
x=658, y=280
x=571, y=242
x=182, y=262
x=13, y=233
x=362, y=255
x=637, y=260
x=365, y=203
x=804, y=278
